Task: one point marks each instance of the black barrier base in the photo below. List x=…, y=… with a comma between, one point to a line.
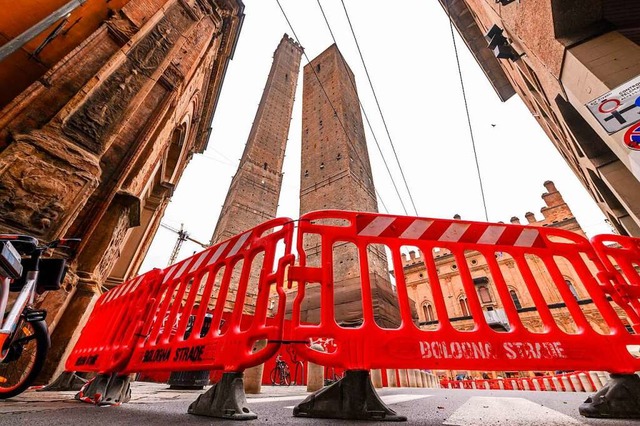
x=619, y=399
x=225, y=400
x=106, y=389
x=188, y=380
x=67, y=381
x=350, y=398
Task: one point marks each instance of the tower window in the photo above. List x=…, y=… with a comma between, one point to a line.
x=339, y=156
x=318, y=68
x=286, y=77
x=306, y=173
x=321, y=166
x=264, y=166
x=516, y=300
x=320, y=123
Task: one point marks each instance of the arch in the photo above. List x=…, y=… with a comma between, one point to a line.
x=515, y=298
x=174, y=152
x=464, y=306
x=427, y=311
x=572, y=288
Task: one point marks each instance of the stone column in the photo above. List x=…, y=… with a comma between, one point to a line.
x=376, y=378
x=412, y=378
x=315, y=373
x=391, y=378
x=404, y=380
x=253, y=375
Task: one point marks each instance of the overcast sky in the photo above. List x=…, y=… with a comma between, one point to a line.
x=409, y=54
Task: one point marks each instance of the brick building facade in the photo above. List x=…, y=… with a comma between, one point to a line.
x=97, y=129
x=559, y=56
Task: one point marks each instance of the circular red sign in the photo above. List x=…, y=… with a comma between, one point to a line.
x=632, y=137
x=609, y=105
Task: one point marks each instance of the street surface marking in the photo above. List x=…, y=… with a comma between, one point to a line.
x=487, y=411
x=392, y=399
x=277, y=398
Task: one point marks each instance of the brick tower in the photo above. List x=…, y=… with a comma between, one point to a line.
x=255, y=189
x=336, y=174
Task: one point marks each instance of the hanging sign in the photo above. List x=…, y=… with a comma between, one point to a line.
x=618, y=108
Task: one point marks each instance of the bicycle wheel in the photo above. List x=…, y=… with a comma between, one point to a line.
x=275, y=376
x=285, y=377
x=25, y=355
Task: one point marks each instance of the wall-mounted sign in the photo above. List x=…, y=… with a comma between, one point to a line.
x=632, y=137
x=618, y=108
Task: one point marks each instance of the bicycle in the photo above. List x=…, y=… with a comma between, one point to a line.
x=280, y=375
x=24, y=337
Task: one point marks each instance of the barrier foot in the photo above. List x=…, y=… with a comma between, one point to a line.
x=351, y=398
x=225, y=400
x=67, y=381
x=106, y=389
x=619, y=399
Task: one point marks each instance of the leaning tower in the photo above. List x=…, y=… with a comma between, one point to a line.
x=255, y=188
x=336, y=174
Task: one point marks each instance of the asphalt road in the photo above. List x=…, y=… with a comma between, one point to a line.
x=155, y=405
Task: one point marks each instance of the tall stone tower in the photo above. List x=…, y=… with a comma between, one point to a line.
x=255, y=188
x=336, y=174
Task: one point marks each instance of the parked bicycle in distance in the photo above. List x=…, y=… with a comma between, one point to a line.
x=24, y=337
x=280, y=375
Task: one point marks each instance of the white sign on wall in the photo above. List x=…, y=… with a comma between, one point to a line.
x=618, y=108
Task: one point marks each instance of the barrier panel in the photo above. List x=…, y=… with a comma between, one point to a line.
x=173, y=319
x=110, y=335
x=577, y=381
x=621, y=258
x=550, y=347
x=232, y=276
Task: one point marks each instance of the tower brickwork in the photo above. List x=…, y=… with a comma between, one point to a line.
x=255, y=189
x=336, y=174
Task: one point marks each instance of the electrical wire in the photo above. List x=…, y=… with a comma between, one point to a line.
x=353, y=84
x=466, y=108
x=379, y=108
x=335, y=111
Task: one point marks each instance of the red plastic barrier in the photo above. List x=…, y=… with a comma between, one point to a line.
x=370, y=346
x=621, y=258
x=109, y=337
x=177, y=337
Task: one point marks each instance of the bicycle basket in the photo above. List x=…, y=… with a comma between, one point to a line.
x=50, y=276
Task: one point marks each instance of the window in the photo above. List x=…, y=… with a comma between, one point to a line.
x=572, y=289
x=427, y=310
x=318, y=68
x=516, y=300
x=264, y=166
x=464, y=306
x=485, y=296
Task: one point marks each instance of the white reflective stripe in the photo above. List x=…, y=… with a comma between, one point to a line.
x=492, y=234
x=376, y=226
x=416, y=229
x=169, y=272
x=137, y=283
x=199, y=261
x=454, y=232
x=238, y=245
x=183, y=268
x=526, y=238
x=218, y=252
